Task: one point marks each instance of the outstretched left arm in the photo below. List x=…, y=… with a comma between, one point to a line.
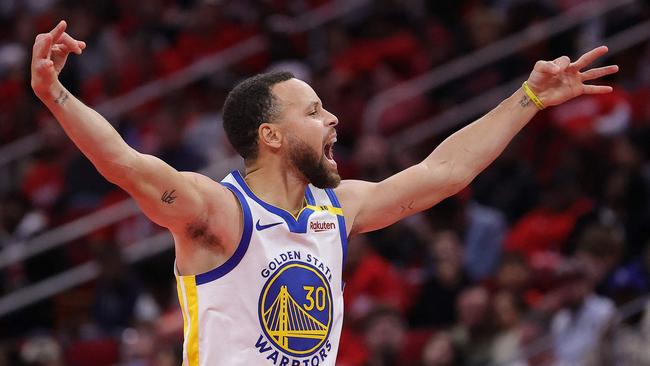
x=463, y=155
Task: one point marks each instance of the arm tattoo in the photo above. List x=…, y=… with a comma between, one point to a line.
x=408, y=207
x=63, y=96
x=168, y=197
x=525, y=101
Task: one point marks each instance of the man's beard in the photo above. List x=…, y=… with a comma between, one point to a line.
x=315, y=170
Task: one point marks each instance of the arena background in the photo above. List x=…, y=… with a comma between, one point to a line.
x=543, y=260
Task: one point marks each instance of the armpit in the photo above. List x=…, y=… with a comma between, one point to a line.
x=200, y=233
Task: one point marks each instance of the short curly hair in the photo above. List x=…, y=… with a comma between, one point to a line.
x=248, y=105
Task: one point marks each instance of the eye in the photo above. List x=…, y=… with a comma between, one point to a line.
x=314, y=112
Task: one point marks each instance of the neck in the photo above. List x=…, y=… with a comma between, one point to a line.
x=278, y=184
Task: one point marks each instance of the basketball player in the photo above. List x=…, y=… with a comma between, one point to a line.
x=259, y=255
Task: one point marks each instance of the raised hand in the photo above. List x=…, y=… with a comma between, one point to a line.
x=49, y=55
x=557, y=81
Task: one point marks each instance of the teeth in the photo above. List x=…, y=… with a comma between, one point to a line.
x=328, y=151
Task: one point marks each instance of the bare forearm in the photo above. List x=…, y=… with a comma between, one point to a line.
x=91, y=132
x=470, y=150
x=462, y=156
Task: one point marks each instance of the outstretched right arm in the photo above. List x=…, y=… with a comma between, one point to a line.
x=170, y=198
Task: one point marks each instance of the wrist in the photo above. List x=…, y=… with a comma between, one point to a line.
x=51, y=94
x=533, y=96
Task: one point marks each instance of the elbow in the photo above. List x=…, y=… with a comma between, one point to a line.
x=456, y=178
x=457, y=186
x=463, y=177
x=118, y=169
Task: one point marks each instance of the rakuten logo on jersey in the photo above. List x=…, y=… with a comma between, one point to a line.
x=318, y=226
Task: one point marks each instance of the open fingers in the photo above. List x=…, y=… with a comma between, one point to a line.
x=597, y=89
x=599, y=72
x=589, y=57
x=71, y=44
x=60, y=48
x=58, y=31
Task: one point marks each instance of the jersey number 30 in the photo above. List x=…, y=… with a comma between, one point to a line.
x=320, y=298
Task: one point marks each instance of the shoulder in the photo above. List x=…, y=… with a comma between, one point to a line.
x=350, y=192
x=353, y=188
x=221, y=205
x=208, y=187
x=351, y=195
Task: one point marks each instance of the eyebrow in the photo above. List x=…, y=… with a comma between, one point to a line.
x=313, y=104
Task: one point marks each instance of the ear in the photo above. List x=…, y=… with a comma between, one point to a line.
x=270, y=135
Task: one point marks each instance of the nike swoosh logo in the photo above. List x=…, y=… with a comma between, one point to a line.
x=264, y=227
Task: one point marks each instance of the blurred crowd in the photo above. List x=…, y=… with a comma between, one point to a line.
x=527, y=266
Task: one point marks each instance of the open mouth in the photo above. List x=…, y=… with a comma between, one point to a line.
x=328, y=151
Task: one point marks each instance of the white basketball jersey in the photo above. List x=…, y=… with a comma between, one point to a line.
x=279, y=299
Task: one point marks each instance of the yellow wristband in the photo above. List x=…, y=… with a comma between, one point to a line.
x=529, y=92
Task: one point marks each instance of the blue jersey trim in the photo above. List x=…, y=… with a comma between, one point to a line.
x=309, y=196
x=333, y=198
x=298, y=225
x=242, y=247
x=342, y=229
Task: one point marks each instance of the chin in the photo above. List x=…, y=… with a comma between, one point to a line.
x=332, y=180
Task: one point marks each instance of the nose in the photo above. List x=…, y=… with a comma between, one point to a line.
x=331, y=119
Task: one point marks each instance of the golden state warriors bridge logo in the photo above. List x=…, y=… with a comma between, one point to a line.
x=295, y=309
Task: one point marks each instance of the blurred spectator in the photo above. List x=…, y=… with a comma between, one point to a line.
x=509, y=183
x=352, y=351
x=473, y=334
x=138, y=346
x=483, y=240
x=385, y=336
x=631, y=279
x=42, y=350
x=600, y=249
x=588, y=117
x=630, y=341
x=532, y=332
x=170, y=145
x=513, y=275
x=508, y=313
x=17, y=219
x=116, y=292
x=580, y=327
x=370, y=281
x=549, y=226
x=624, y=207
x=436, y=305
x=440, y=351
x=372, y=158
x=482, y=230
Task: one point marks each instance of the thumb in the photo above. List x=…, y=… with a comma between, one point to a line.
x=44, y=67
x=43, y=75
x=547, y=67
x=562, y=62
